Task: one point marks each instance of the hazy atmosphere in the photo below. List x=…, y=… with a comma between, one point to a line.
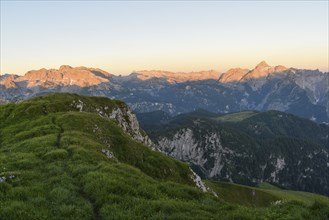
x=120, y=37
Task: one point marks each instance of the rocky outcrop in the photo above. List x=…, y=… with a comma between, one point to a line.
x=198, y=182
x=129, y=123
x=123, y=116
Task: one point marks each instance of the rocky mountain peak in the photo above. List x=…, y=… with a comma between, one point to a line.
x=262, y=65
x=263, y=70
x=65, y=68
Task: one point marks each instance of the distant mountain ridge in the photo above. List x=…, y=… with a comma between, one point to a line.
x=88, y=75
x=64, y=76
x=178, y=77
x=301, y=92
x=261, y=70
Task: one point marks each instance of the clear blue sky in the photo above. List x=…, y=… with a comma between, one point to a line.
x=122, y=36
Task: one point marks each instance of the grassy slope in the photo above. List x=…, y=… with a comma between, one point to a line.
x=243, y=195
x=51, y=156
x=262, y=196
x=290, y=195
x=236, y=117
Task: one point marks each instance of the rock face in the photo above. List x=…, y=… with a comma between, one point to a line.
x=301, y=92
x=128, y=122
x=184, y=146
x=233, y=75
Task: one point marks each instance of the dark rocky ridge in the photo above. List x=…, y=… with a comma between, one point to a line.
x=246, y=147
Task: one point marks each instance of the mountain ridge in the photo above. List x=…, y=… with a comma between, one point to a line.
x=177, y=77
x=64, y=76
x=246, y=147
x=260, y=70
x=301, y=92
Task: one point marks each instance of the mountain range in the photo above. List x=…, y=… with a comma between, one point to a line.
x=301, y=92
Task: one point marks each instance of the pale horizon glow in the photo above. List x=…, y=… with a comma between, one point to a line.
x=184, y=36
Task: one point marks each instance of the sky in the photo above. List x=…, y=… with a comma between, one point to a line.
x=123, y=36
